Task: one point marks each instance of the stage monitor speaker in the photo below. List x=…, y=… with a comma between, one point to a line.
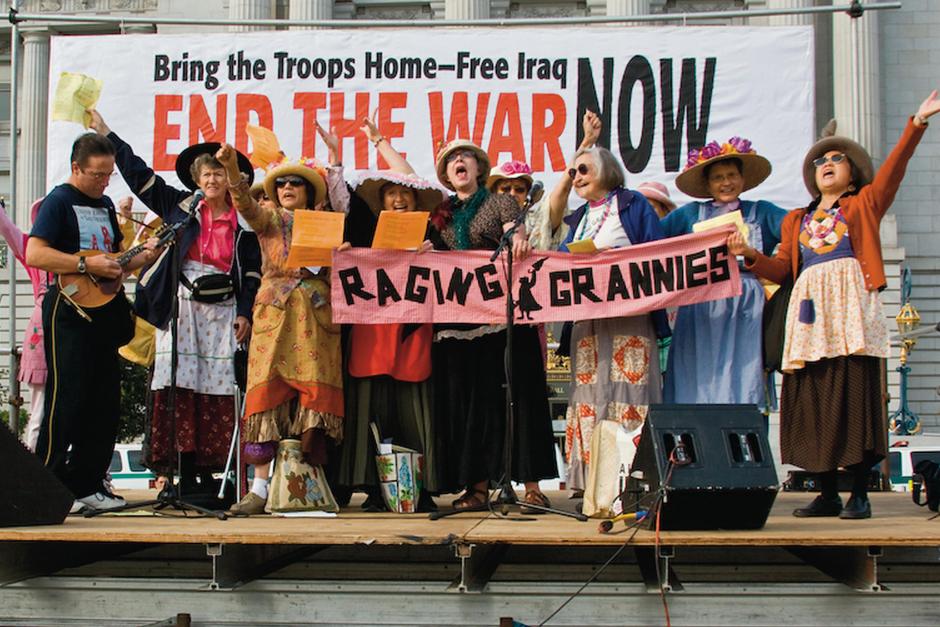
x=29, y=493
x=723, y=475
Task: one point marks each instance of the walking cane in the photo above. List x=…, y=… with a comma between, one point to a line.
x=233, y=449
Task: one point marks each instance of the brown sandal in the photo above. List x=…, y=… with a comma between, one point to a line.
x=534, y=497
x=472, y=500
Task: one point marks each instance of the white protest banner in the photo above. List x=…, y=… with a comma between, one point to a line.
x=519, y=92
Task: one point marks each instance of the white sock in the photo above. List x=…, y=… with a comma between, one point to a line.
x=260, y=487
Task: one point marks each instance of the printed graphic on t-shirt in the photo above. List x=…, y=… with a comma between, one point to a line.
x=94, y=228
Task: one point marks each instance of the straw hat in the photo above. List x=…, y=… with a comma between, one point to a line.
x=653, y=190
x=428, y=195
x=513, y=170
x=851, y=149
x=309, y=169
x=184, y=163
x=754, y=168
x=461, y=144
x=256, y=190
x=509, y=170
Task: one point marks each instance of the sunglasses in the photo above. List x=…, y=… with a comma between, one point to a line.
x=821, y=161
x=466, y=154
x=582, y=169
x=293, y=181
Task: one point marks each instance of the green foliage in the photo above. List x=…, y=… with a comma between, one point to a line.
x=134, y=418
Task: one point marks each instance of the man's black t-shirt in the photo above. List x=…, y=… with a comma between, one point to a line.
x=70, y=221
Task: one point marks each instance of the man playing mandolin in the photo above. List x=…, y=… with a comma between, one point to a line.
x=83, y=388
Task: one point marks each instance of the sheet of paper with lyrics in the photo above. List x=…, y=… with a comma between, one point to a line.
x=401, y=230
x=74, y=95
x=315, y=235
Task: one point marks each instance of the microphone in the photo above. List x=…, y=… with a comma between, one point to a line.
x=534, y=192
x=197, y=198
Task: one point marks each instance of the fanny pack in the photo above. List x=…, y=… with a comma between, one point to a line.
x=210, y=288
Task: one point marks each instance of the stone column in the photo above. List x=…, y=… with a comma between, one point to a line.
x=628, y=7
x=310, y=10
x=795, y=19
x=32, y=117
x=856, y=79
x=250, y=10
x=466, y=9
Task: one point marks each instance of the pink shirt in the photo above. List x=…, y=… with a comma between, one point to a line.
x=216, y=243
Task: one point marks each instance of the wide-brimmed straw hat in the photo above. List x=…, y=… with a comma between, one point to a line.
x=184, y=163
x=310, y=170
x=754, y=168
x=830, y=141
x=461, y=144
x=512, y=170
x=428, y=194
x=654, y=190
x=256, y=190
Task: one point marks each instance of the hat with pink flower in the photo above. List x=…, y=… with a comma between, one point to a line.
x=754, y=168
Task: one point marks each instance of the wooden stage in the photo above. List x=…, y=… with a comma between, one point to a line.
x=816, y=570
x=896, y=522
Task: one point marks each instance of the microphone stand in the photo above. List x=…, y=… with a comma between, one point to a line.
x=171, y=495
x=507, y=495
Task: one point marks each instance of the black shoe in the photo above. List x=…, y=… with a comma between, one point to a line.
x=857, y=507
x=821, y=506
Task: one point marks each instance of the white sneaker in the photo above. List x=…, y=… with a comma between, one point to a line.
x=77, y=507
x=100, y=501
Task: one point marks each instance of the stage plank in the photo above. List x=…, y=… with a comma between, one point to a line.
x=896, y=522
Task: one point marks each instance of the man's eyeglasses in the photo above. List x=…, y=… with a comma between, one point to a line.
x=293, y=181
x=823, y=160
x=582, y=169
x=98, y=176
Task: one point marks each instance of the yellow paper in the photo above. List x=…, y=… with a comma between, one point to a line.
x=400, y=230
x=264, y=145
x=315, y=235
x=73, y=95
x=733, y=217
x=582, y=246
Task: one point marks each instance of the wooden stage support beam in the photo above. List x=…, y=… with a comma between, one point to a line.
x=24, y=560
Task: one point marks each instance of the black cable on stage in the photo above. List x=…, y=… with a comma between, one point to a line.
x=654, y=510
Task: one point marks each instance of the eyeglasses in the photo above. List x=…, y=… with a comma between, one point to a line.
x=823, y=160
x=293, y=181
x=98, y=176
x=466, y=154
x=582, y=169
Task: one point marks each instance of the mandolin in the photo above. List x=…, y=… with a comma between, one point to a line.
x=88, y=290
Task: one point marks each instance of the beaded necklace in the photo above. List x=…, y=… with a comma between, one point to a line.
x=596, y=227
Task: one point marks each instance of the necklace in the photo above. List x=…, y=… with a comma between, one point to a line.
x=608, y=204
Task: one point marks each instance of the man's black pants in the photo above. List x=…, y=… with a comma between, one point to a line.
x=83, y=389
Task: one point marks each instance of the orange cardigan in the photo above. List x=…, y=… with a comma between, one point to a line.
x=863, y=213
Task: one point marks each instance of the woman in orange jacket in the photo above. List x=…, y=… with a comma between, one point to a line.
x=832, y=412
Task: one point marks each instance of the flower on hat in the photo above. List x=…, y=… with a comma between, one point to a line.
x=515, y=167
x=306, y=162
x=734, y=146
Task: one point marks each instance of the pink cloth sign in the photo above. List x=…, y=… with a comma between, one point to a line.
x=382, y=286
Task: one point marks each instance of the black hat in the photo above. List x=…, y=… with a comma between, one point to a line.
x=185, y=161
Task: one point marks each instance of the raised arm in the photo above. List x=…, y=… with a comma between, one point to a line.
x=395, y=161
x=880, y=194
x=336, y=189
x=143, y=181
x=248, y=207
x=558, y=199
